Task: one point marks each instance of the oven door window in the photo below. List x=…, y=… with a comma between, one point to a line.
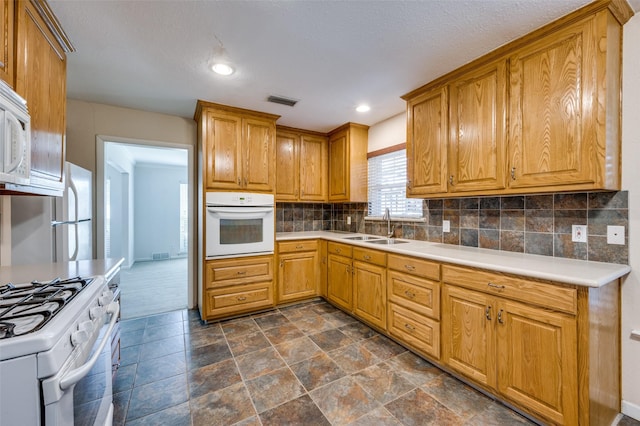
x=241, y=231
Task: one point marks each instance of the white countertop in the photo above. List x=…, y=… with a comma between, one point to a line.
x=569, y=271
x=48, y=271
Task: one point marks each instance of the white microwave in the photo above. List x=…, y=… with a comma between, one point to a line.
x=15, y=137
x=239, y=223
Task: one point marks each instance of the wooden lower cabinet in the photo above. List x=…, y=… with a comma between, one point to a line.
x=370, y=293
x=299, y=270
x=339, y=281
x=238, y=285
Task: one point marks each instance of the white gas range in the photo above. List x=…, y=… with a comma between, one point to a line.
x=55, y=356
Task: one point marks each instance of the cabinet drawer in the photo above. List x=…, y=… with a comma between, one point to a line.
x=370, y=256
x=418, y=331
x=415, y=293
x=339, y=249
x=412, y=265
x=552, y=296
x=296, y=246
x=239, y=271
x=238, y=299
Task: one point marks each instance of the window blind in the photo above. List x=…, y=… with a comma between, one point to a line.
x=387, y=186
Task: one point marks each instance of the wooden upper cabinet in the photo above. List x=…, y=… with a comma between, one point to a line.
x=477, y=143
x=7, y=17
x=238, y=148
x=41, y=79
x=348, y=163
x=427, y=135
x=313, y=168
x=539, y=114
x=287, y=166
x=302, y=170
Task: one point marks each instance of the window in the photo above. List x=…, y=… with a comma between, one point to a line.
x=387, y=186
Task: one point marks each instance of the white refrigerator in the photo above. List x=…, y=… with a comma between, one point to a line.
x=54, y=229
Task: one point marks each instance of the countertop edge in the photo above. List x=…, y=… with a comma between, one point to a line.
x=562, y=270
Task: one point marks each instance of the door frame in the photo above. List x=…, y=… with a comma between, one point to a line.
x=100, y=204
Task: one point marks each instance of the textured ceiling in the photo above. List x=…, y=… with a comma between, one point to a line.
x=330, y=55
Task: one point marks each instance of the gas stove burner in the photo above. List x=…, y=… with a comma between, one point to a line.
x=25, y=308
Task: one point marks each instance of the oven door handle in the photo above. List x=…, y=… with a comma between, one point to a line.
x=235, y=213
x=74, y=376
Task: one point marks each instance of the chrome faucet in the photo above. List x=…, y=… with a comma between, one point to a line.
x=387, y=217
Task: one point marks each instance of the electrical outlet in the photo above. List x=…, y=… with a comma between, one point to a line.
x=348, y=220
x=446, y=226
x=579, y=233
x=615, y=235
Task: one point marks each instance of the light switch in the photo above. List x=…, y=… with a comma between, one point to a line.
x=615, y=235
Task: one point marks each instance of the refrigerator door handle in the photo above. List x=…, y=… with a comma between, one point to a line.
x=68, y=222
x=74, y=256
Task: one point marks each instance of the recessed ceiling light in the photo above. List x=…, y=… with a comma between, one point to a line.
x=222, y=69
x=363, y=108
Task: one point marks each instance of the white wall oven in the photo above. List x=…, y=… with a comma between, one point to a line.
x=55, y=352
x=239, y=223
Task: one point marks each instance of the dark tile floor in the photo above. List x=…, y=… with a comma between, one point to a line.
x=307, y=364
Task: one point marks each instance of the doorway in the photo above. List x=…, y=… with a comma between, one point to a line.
x=145, y=190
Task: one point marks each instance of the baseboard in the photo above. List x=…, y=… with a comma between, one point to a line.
x=631, y=410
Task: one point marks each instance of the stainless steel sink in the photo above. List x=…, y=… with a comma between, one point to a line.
x=364, y=238
x=387, y=241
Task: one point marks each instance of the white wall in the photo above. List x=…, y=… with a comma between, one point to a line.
x=392, y=131
x=157, y=210
x=631, y=182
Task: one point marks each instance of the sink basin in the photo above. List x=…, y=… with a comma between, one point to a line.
x=364, y=238
x=387, y=241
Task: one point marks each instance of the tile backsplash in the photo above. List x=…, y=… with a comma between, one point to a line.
x=536, y=224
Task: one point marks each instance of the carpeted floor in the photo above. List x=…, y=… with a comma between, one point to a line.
x=149, y=288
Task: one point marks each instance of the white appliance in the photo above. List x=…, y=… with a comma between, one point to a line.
x=54, y=229
x=239, y=223
x=55, y=352
x=15, y=137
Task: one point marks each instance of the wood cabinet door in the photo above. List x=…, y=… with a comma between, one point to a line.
x=468, y=334
x=259, y=155
x=339, y=281
x=427, y=139
x=7, y=16
x=537, y=361
x=370, y=293
x=478, y=113
x=339, y=166
x=287, y=170
x=298, y=276
x=223, y=151
x=41, y=79
x=313, y=168
x=553, y=88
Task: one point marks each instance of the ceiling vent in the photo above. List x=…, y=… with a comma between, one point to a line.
x=282, y=100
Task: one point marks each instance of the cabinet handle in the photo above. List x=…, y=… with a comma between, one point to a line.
x=348, y=269
x=513, y=173
x=409, y=294
x=366, y=257
x=299, y=247
x=324, y=260
x=239, y=182
x=409, y=327
x=338, y=250
x=242, y=272
x=451, y=180
x=281, y=263
x=245, y=181
x=500, y=317
x=496, y=286
x=409, y=183
x=410, y=267
x=487, y=313
x=241, y=298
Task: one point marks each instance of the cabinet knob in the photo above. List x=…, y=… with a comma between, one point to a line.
x=366, y=257
x=241, y=299
x=409, y=294
x=338, y=250
x=487, y=313
x=409, y=327
x=513, y=173
x=410, y=267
